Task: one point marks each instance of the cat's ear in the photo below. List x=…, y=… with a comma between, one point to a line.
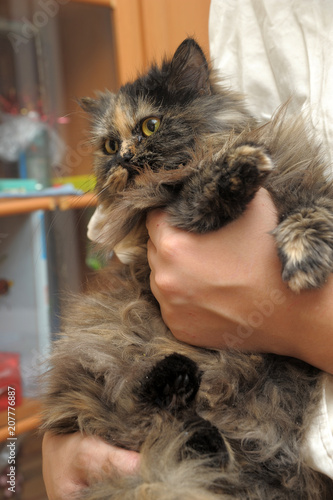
x=189, y=70
x=95, y=106
x=89, y=105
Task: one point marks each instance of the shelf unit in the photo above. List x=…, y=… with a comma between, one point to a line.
x=27, y=414
x=26, y=419
x=132, y=26
x=20, y=205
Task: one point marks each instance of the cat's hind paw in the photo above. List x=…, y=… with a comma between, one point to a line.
x=305, y=247
x=173, y=383
x=206, y=441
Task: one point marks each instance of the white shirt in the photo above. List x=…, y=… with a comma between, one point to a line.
x=271, y=51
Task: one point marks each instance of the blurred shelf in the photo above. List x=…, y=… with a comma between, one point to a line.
x=26, y=418
x=19, y=205
x=105, y=3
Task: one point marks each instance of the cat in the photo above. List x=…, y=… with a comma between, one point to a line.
x=209, y=424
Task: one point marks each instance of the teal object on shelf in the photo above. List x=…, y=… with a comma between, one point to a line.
x=18, y=185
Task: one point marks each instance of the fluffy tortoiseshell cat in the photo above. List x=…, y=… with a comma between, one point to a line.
x=209, y=424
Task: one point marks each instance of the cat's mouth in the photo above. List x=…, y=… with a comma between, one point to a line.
x=132, y=170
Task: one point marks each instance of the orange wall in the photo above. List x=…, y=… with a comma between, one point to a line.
x=114, y=43
x=146, y=30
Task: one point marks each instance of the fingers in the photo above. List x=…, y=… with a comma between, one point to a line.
x=124, y=461
x=162, y=250
x=88, y=459
x=157, y=245
x=154, y=219
x=157, y=226
x=98, y=458
x=61, y=478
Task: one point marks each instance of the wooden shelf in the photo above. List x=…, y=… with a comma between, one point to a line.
x=27, y=418
x=19, y=205
x=104, y=3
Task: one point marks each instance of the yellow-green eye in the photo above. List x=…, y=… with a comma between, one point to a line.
x=111, y=146
x=150, y=126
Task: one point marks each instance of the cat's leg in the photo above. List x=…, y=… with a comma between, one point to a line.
x=206, y=440
x=172, y=386
x=220, y=189
x=304, y=241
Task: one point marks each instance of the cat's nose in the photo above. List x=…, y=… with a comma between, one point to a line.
x=125, y=162
x=127, y=156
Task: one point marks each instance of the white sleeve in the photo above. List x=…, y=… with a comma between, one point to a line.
x=271, y=51
x=318, y=449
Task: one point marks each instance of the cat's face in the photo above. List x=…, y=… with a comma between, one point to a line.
x=156, y=121
x=138, y=132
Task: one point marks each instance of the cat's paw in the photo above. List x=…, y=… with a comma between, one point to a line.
x=305, y=247
x=239, y=173
x=221, y=188
x=173, y=383
x=206, y=441
x=248, y=164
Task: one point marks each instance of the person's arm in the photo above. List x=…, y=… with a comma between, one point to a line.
x=224, y=289
x=72, y=461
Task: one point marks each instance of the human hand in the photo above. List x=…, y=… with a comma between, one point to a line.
x=224, y=289
x=73, y=461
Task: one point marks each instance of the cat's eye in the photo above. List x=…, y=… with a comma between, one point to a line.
x=150, y=126
x=111, y=146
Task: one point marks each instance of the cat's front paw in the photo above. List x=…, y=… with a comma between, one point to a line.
x=238, y=174
x=172, y=384
x=221, y=188
x=305, y=247
x=248, y=164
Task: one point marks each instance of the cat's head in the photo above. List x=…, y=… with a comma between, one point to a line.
x=157, y=121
